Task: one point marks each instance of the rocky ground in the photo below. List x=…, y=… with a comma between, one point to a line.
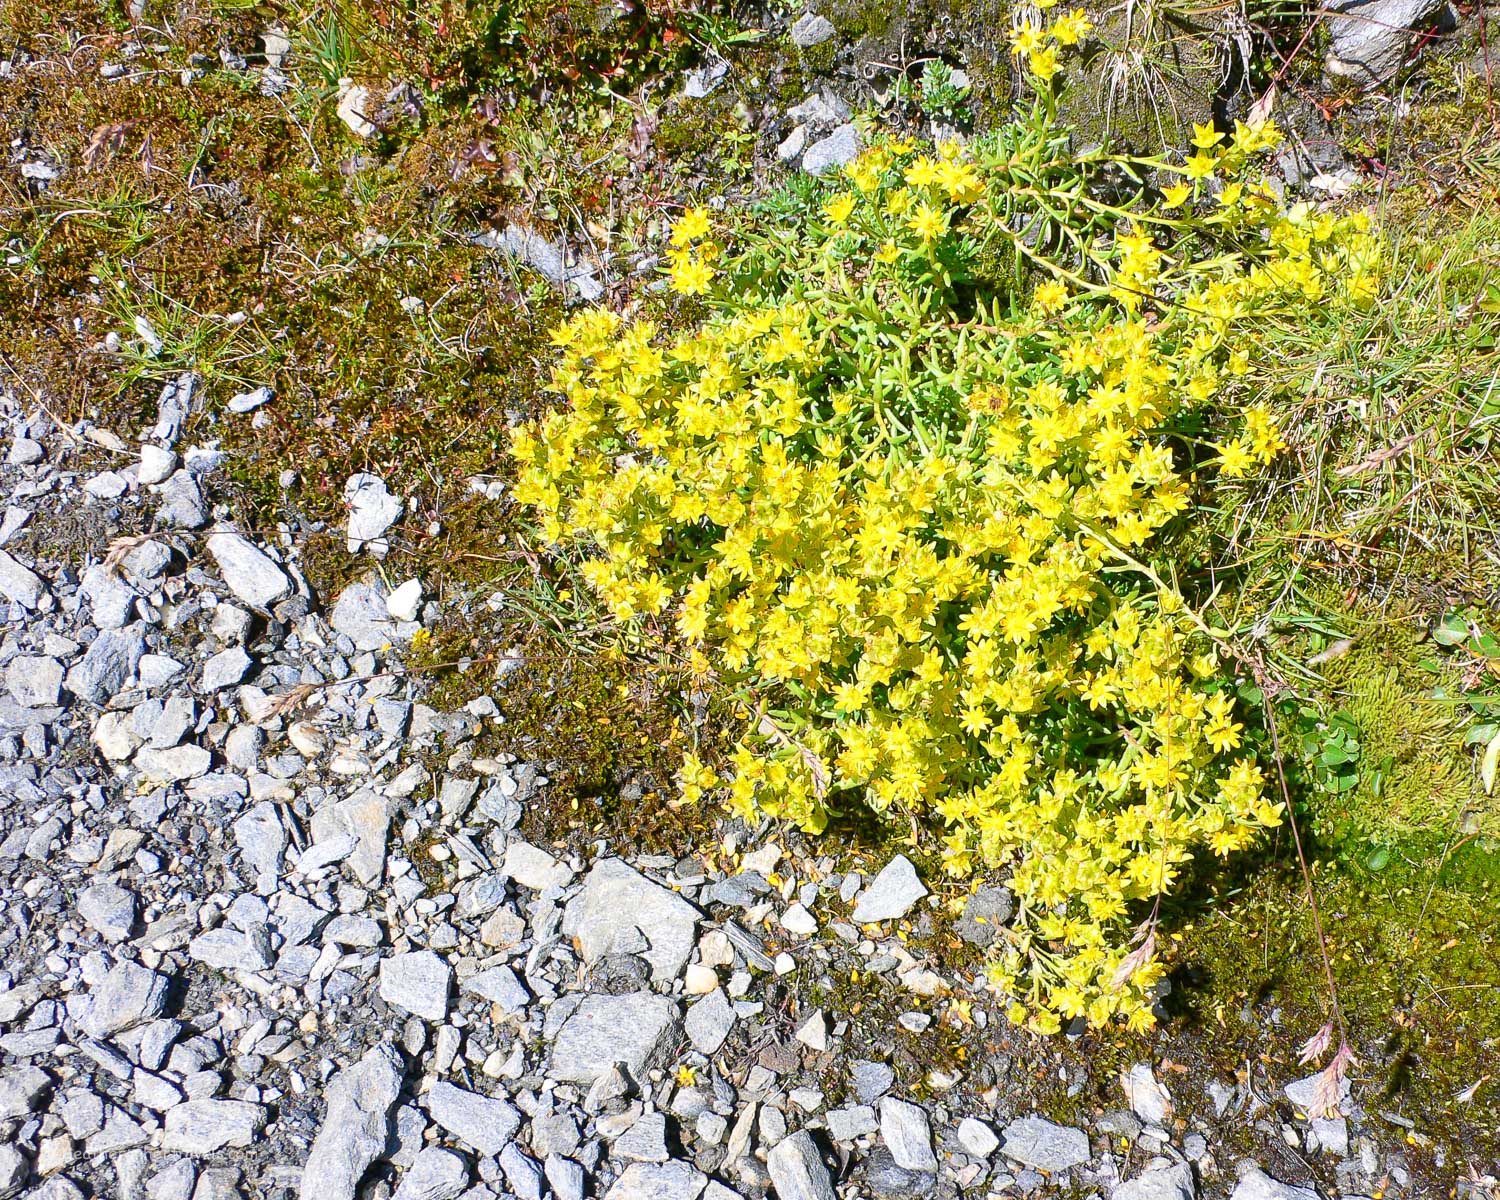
x=268, y=926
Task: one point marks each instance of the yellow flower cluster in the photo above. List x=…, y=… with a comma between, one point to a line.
x=907, y=519
x=1042, y=45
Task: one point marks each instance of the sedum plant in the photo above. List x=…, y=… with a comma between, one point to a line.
x=900, y=486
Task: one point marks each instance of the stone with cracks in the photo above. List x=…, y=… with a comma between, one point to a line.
x=1255, y=1184
x=891, y=894
x=616, y=902
x=248, y=571
x=109, y=909
x=1369, y=40
x=1161, y=1180
x=435, y=1174
x=977, y=1138
x=111, y=659
x=638, y=1029
x=372, y=511
x=20, y=584
x=262, y=842
x=1038, y=1143
x=659, y=1181
x=356, y=1125
x=1145, y=1094
x=486, y=1123
x=709, y=1021
x=797, y=1169
x=129, y=995
x=204, y=1126
x=417, y=982
x=907, y=1134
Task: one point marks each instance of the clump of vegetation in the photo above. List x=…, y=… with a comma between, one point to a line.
x=906, y=508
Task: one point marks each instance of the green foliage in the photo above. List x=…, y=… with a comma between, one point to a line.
x=940, y=96
x=908, y=517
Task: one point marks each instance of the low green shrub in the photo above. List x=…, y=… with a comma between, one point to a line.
x=900, y=486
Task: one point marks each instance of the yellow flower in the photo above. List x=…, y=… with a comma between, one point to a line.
x=1071, y=29
x=690, y=276
x=928, y=222
x=1026, y=38
x=1043, y=62
x=691, y=226
x=838, y=209
x=1235, y=459
x=1206, y=137
x=1200, y=166
x=1050, y=295
x=1176, y=194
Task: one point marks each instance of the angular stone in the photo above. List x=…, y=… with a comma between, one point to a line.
x=181, y=502
x=109, y=909
x=417, y=982
x=20, y=584
x=659, y=1181
x=1036, y=1142
x=262, y=842
x=111, y=659
x=1369, y=40
x=797, y=1169
x=1255, y=1184
x=985, y=913
x=356, y=1126
x=129, y=995
x=846, y=1124
x=499, y=985
x=810, y=29
x=361, y=616
x=225, y=669
x=486, y=1123
x=233, y=949
x=364, y=816
x=177, y=764
x=891, y=894
x=907, y=1134
x=250, y=573
x=871, y=1079
x=1161, y=1180
x=834, y=151
x=435, y=1174
x=1145, y=1095
x=616, y=902
x=977, y=1138
x=21, y=1091
x=34, y=682
x=372, y=511
x=201, y=1127
x=638, y=1029
x=709, y=1021
x=522, y=1172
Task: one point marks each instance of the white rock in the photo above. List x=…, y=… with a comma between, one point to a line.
x=248, y=571
x=798, y=920
x=354, y=103
x=699, y=980
x=249, y=401
x=1255, y=1184
x=417, y=982
x=1146, y=1096
x=372, y=511
x=977, y=1138
x=157, y=464
x=618, y=905
x=813, y=1032
x=891, y=894
x=405, y=601
x=907, y=1134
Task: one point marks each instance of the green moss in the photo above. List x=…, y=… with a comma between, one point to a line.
x=1416, y=783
